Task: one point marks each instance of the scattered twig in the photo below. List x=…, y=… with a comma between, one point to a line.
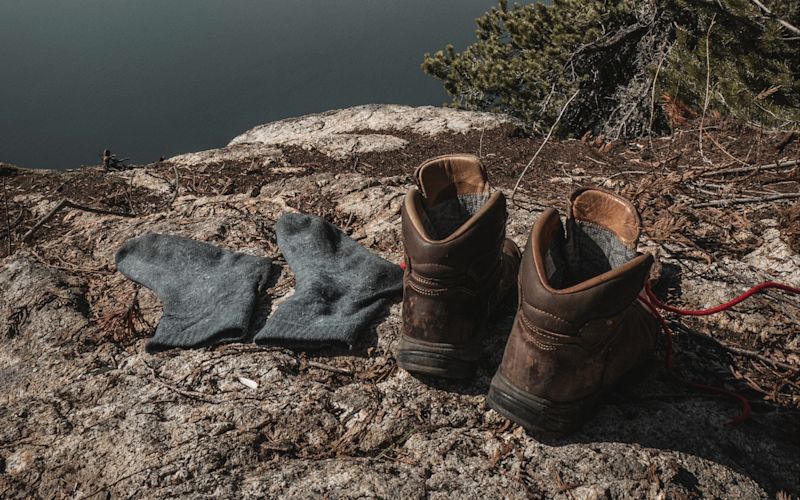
x=399, y=442
x=787, y=139
x=226, y=188
x=175, y=187
x=329, y=368
x=721, y=148
x=128, y=476
x=69, y=267
x=541, y=146
x=9, y=235
x=18, y=219
x=353, y=432
x=65, y=203
x=742, y=201
x=204, y=398
x=129, y=194
x=735, y=350
x=624, y=172
x=594, y=160
x=122, y=323
x=564, y=487
x=752, y=168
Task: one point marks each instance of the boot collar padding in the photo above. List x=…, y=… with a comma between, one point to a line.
x=549, y=228
x=609, y=211
x=446, y=177
x=413, y=208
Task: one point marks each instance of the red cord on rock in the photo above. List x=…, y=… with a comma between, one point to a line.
x=727, y=305
x=652, y=303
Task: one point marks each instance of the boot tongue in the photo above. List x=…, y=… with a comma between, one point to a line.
x=453, y=188
x=451, y=177
x=608, y=212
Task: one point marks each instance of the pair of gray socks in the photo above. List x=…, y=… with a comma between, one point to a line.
x=210, y=295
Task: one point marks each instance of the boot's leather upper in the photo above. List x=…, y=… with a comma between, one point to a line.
x=580, y=325
x=459, y=265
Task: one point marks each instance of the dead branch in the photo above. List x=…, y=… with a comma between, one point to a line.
x=752, y=168
x=721, y=148
x=541, y=146
x=65, y=203
x=708, y=85
x=653, y=94
x=783, y=23
x=18, y=219
x=742, y=201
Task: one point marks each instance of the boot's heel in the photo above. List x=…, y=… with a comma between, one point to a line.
x=440, y=360
x=535, y=414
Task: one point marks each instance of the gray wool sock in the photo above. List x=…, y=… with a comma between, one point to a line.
x=340, y=286
x=209, y=294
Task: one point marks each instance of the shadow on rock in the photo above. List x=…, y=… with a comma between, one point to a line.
x=661, y=412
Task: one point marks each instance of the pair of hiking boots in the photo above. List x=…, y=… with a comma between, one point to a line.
x=579, y=326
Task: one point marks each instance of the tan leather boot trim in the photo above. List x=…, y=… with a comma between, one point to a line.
x=608, y=210
x=466, y=183
x=413, y=207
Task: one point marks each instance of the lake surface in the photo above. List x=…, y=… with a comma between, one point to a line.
x=151, y=78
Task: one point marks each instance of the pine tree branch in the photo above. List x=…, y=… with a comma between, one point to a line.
x=783, y=23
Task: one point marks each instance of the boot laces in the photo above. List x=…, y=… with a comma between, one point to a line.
x=654, y=304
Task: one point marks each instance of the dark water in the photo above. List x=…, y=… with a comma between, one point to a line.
x=148, y=78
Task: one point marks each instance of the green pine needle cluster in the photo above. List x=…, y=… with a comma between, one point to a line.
x=623, y=56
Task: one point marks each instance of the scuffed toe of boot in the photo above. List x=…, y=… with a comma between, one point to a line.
x=437, y=359
x=538, y=415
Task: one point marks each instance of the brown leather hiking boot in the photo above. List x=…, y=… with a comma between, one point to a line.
x=580, y=325
x=459, y=266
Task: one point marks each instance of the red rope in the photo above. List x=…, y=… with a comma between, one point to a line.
x=652, y=303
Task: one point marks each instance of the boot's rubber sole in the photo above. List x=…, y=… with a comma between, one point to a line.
x=535, y=414
x=439, y=360
x=542, y=416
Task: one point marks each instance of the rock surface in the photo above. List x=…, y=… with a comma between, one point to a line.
x=87, y=413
